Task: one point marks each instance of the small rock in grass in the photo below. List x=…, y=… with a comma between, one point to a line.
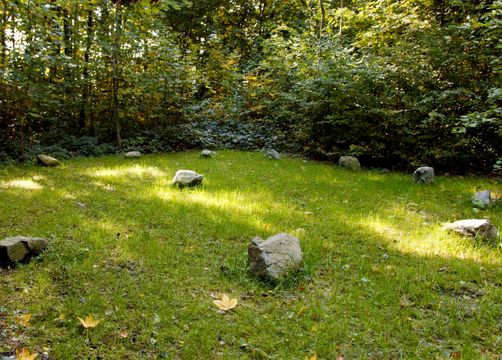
x=276, y=257
x=272, y=154
x=482, y=198
x=474, y=227
x=423, y=175
x=349, y=162
x=132, y=154
x=46, y=160
x=184, y=178
x=207, y=153
x=20, y=248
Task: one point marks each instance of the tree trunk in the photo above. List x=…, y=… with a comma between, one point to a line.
x=3, y=39
x=115, y=73
x=86, y=88
x=323, y=17
x=67, y=33
x=342, y=5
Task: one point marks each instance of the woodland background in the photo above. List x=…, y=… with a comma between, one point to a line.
x=396, y=83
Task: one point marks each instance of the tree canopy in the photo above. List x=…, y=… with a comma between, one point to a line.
x=393, y=82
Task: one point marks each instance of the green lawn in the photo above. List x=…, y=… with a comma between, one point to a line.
x=381, y=279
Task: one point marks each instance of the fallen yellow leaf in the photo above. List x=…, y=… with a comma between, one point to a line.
x=300, y=232
x=25, y=355
x=24, y=319
x=61, y=317
x=89, y=322
x=225, y=303
x=313, y=357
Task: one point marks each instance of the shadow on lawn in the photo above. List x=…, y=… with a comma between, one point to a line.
x=197, y=238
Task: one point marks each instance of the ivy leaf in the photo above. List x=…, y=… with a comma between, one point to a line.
x=89, y=322
x=24, y=319
x=225, y=303
x=24, y=354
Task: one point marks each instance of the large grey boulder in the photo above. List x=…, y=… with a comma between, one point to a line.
x=272, y=154
x=207, y=153
x=474, y=227
x=276, y=257
x=20, y=248
x=349, y=162
x=482, y=198
x=423, y=175
x=132, y=154
x=184, y=178
x=46, y=160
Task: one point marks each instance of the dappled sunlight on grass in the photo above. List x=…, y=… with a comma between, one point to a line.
x=26, y=184
x=426, y=240
x=233, y=202
x=135, y=170
x=142, y=256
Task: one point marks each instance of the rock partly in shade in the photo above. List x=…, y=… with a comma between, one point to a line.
x=276, y=257
x=132, y=154
x=272, y=154
x=46, y=160
x=207, y=153
x=184, y=178
x=20, y=248
x=423, y=175
x=482, y=198
x=349, y=162
x=474, y=227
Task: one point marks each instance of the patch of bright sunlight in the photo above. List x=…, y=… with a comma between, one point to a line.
x=136, y=170
x=232, y=201
x=21, y=184
x=106, y=225
x=427, y=240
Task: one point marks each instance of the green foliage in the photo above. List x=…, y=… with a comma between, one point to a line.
x=395, y=83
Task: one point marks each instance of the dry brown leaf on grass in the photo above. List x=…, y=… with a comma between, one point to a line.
x=24, y=354
x=89, y=322
x=405, y=301
x=24, y=319
x=225, y=303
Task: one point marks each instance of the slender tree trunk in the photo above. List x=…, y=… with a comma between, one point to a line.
x=28, y=51
x=3, y=28
x=115, y=73
x=86, y=89
x=67, y=33
x=342, y=5
x=263, y=6
x=321, y=26
x=323, y=17
x=57, y=44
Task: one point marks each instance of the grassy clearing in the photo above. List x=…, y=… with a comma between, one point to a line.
x=381, y=280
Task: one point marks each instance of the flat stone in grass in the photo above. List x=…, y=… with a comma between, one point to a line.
x=423, y=175
x=207, y=153
x=132, y=154
x=482, y=198
x=186, y=178
x=272, y=154
x=20, y=248
x=474, y=227
x=276, y=257
x=349, y=162
x=46, y=160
